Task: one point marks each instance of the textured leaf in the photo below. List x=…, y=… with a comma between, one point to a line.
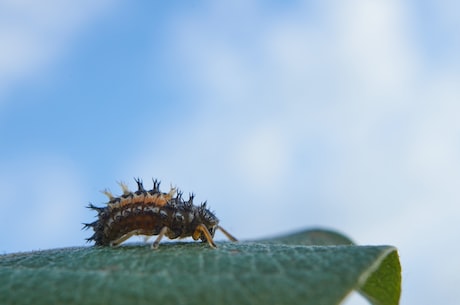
x=286, y=270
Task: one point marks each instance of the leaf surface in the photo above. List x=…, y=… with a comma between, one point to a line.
x=309, y=267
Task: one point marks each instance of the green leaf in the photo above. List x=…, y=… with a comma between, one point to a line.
x=285, y=270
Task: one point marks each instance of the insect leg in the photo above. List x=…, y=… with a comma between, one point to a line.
x=201, y=228
x=124, y=237
x=156, y=243
x=229, y=236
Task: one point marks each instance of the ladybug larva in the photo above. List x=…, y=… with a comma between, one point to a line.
x=152, y=213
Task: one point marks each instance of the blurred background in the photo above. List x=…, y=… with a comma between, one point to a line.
x=283, y=115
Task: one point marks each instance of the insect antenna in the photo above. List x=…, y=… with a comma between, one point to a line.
x=229, y=236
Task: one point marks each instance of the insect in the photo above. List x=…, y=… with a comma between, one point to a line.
x=151, y=213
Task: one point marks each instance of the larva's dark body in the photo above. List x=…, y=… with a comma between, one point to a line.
x=152, y=213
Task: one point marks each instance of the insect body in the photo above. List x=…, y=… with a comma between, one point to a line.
x=152, y=213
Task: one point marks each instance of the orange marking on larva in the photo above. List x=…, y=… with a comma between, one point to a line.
x=148, y=198
x=155, y=200
x=125, y=201
x=138, y=199
x=159, y=200
x=152, y=213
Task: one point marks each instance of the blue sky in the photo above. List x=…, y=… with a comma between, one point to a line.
x=281, y=114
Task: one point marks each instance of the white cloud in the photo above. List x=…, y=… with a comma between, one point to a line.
x=375, y=48
x=388, y=170
x=34, y=34
x=262, y=157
